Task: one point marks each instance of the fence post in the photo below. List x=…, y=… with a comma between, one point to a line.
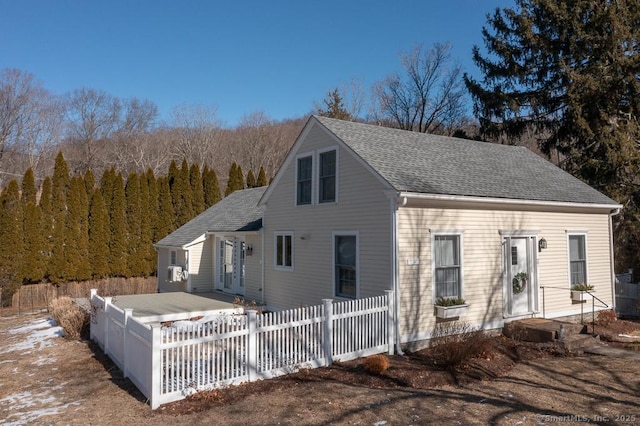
x=128, y=313
x=252, y=346
x=328, y=331
x=156, y=365
x=94, y=292
x=391, y=324
x=107, y=303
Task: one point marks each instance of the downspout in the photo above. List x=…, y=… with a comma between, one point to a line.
x=612, y=260
x=396, y=203
x=262, y=264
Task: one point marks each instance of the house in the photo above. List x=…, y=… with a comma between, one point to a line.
x=357, y=209
x=214, y=251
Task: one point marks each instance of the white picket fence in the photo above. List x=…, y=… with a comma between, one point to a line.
x=169, y=362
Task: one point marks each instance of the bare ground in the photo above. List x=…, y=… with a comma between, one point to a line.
x=56, y=381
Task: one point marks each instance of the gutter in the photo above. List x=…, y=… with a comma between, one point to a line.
x=396, y=203
x=612, y=213
x=506, y=201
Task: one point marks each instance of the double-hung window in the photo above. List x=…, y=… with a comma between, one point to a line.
x=346, y=265
x=284, y=250
x=577, y=259
x=304, y=180
x=447, y=265
x=327, y=177
x=173, y=257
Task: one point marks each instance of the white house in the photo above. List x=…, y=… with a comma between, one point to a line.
x=357, y=209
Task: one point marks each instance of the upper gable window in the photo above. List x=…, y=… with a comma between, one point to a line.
x=304, y=177
x=327, y=177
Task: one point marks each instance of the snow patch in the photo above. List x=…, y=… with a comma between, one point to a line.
x=40, y=333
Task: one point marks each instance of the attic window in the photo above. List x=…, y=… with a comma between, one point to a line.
x=327, y=178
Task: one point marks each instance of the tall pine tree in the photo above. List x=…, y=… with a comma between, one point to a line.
x=118, y=228
x=251, y=179
x=135, y=255
x=197, y=191
x=262, y=178
x=182, y=196
x=34, y=265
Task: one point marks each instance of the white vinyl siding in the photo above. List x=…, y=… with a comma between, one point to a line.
x=483, y=263
x=363, y=207
x=577, y=255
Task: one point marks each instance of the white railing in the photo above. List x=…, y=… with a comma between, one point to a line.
x=168, y=362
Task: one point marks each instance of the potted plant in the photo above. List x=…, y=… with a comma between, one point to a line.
x=450, y=307
x=578, y=292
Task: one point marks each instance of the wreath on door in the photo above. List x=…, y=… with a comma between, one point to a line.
x=519, y=282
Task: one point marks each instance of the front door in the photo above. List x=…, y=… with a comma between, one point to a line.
x=520, y=284
x=231, y=269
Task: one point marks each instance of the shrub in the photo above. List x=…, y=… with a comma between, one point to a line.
x=605, y=318
x=72, y=318
x=449, y=301
x=582, y=287
x=376, y=364
x=456, y=343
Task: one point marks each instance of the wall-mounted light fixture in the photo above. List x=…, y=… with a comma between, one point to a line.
x=542, y=244
x=249, y=250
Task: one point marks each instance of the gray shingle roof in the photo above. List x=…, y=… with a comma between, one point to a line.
x=235, y=213
x=423, y=163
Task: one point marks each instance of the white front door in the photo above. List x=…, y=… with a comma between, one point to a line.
x=231, y=270
x=520, y=277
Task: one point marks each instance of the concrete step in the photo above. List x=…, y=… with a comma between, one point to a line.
x=541, y=330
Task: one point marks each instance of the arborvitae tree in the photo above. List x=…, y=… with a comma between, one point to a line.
x=211, y=187
x=231, y=184
x=172, y=174
x=570, y=70
x=98, y=236
x=239, y=179
x=28, y=188
x=251, y=179
x=46, y=226
x=135, y=259
x=89, y=183
x=60, y=186
x=152, y=185
x=11, y=245
x=77, y=265
x=262, y=178
x=165, y=223
x=118, y=229
x=197, y=191
x=182, y=197
x=147, y=253
x=106, y=186
x=35, y=260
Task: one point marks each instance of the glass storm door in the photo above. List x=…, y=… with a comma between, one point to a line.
x=519, y=278
x=231, y=256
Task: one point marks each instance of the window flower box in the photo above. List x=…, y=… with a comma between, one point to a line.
x=454, y=311
x=579, y=292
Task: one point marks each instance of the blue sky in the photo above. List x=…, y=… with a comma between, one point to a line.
x=242, y=56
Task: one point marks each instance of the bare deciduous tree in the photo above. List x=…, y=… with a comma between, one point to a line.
x=197, y=134
x=427, y=97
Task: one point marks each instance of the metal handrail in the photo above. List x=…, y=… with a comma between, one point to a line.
x=593, y=307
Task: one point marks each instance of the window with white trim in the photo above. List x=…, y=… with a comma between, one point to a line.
x=345, y=263
x=173, y=257
x=327, y=177
x=577, y=259
x=447, y=265
x=304, y=176
x=284, y=250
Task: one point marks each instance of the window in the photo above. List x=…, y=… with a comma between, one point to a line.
x=327, y=178
x=577, y=259
x=284, y=250
x=447, y=266
x=304, y=175
x=173, y=257
x=345, y=265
